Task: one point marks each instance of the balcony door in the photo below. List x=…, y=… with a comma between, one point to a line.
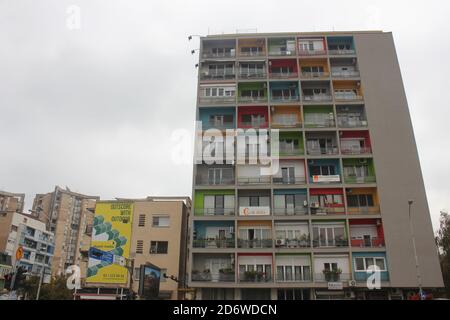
x=352, y=145
x=288, y=173
x=320, y=145
x=219, y=204
x=220, y=176
x=328, y=236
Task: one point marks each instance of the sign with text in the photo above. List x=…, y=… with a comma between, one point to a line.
x=335, y=286
x=330, y=178
x=254, y=211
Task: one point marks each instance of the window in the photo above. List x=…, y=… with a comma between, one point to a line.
x=330, y=266
x=325, y=200
x=360, y=200
x=293, y=273
x=254, y=201
x=251, y=69
x=326, y=170
x=363, y=263
x=293, y=294
x=356, y=171
x=312, y=69
x=141, y=222
x=161, y=221
x=283, y=70
x=218, y=204
x=251, y=51
x=140, y=246
x=329, y=236
x=158, y=247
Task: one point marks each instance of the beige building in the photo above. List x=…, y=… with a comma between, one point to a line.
x=69, y=216
x=11, y=202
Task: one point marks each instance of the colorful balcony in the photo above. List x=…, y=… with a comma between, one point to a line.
x=215, y=175
x=219, y=49
x=252, y=70
x=217, y=71
x=254, y=203
x=290, y=172
x=252, y=47
x=321, y=143
x=339, y=46
x=329, y=234
x=286, y=117
x=362, y=201
x=366, y=233
x=292, y=234
x=316, y=92
x=251, y=174
x=282, y=47
x=314, y=68
x=283, y=69
x=288, y=202
x=319, y=116
x=281, y=92
x=331, y=267
x=255, y=268
x=213, y=234
x=217, y=118
x=311, y=46
x=324, y=171
x=293, y=268
x=253, y=117
x=218, y=94
x=254, y=234
x=351, y=116
x=252, y=92
x=347, y=91
x=329, y=201
x=355, y=142
x=209, y=267
x=290, y=144
x=359, y=171
x=344, y=68
x=364, y=262
x=214, y=203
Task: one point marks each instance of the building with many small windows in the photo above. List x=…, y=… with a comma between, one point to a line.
x=338, y=204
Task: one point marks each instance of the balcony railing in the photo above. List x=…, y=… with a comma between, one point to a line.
x=283, y=75
x=345, y=74
x=364, y=210
x=306, y=277
x=292, y=243
x=252, y=54
x=213, y=277
x=218, y=76
x=315, y=75
x=344, y=122
x=292, y=124
x=254, y=124
x=347, y=96
x=215, y=211
x=355, y=179
x=327, y=210
x=218, y=182
x=332, y=243
x=293, y=180
x=290, y=152
x=317, y=98
x=284, y=98
x=296, y=211
x=368, y=243
x=252, y=75
x=356, y=150
x=281, y=52
x=252, y=99
x=255, y=276
x=256, y=243
x=219, y=55
x=217, y=100
x=332, y=277
x=254, y=180
x=323, y=151
x=219, y=126
x=312, y=52
x=213, y=243
x=339, y=52
x=327, y=123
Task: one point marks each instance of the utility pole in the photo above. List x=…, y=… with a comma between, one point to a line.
x=40, y=283
x=419, y=278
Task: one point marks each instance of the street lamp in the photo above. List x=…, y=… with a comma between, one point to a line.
x=419, y=278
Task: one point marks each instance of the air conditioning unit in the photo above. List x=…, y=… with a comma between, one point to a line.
x=314, y=205
x=350, y=295
x=310, y=161
x=363, y=161
x=281, y=242
x=352, y=283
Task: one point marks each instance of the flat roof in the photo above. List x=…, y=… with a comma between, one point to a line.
x=287, y=34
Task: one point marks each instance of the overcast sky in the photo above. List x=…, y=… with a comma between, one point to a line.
x=95, y=108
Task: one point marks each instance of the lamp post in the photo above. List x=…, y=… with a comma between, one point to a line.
x=419, y=278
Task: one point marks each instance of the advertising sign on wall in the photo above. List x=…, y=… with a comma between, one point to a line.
x=254, y=211
x=149, y=280
x=110, y=245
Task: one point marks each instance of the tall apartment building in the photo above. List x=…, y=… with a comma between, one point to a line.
x=348, y=165
x=69, y=215
x=22, y=230
x=11, y=202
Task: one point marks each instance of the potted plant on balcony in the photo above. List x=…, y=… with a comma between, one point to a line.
x=226, y=274
x=332, y=275
x=206, y=275
x=303, y=240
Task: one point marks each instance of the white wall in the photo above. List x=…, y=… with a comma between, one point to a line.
x=299, y=167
